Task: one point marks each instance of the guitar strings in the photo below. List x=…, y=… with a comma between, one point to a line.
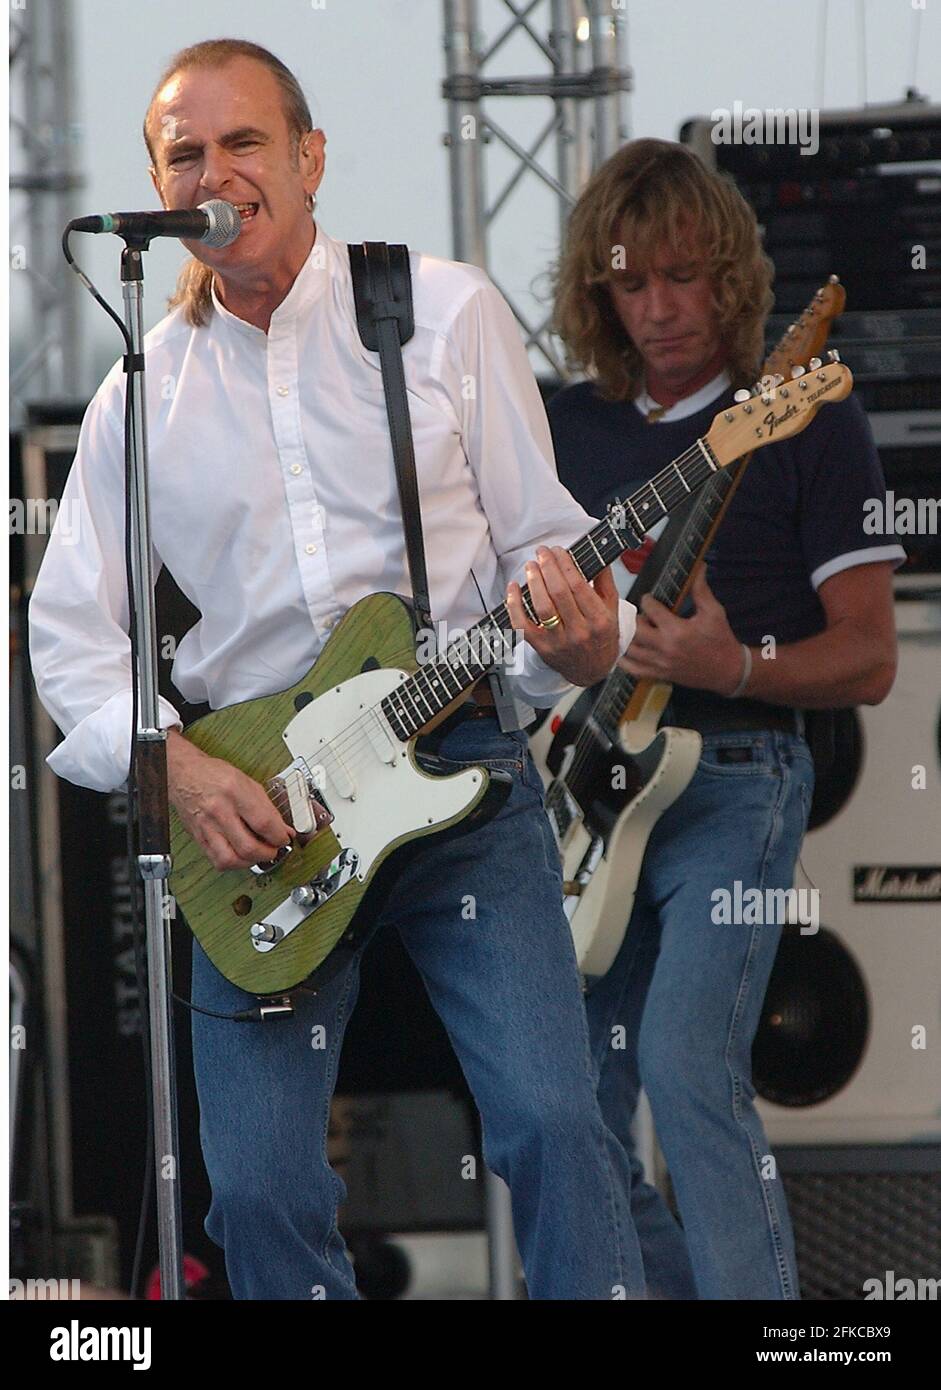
x=619, y=686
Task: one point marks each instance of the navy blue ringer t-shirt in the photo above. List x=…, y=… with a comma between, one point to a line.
x=796, y=519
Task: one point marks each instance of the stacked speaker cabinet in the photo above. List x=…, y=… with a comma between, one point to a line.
x=847, y=1061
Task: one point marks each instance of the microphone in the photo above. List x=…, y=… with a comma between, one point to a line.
x=216, y=222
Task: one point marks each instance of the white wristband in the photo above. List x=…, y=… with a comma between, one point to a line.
x=746, y=674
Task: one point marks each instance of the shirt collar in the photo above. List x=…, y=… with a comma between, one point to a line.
x=689, y=405
x=309, y=284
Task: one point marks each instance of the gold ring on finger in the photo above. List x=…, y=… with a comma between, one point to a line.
x=552, y=622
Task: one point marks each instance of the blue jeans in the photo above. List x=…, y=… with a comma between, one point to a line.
x=506, y=985
x=685, y=996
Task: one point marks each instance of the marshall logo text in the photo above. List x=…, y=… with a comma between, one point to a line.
x=896, y=883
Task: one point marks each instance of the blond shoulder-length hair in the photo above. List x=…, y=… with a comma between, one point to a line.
x=653, y=196
x=194, y=285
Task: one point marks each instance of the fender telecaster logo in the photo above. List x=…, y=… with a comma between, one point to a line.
x=772, y=421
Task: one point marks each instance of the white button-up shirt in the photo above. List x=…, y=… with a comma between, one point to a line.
x=274, y=502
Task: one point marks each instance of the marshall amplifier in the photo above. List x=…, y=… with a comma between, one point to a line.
x=847, y=1046
x=845, y=1058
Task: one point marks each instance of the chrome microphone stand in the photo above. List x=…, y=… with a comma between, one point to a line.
x=153, y=857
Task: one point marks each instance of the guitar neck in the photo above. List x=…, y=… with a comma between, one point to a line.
x=439, y=683
x=673, y=583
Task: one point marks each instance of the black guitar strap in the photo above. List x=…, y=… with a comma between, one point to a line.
x=382, y=289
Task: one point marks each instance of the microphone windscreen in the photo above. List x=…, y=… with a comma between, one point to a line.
x=225, y=224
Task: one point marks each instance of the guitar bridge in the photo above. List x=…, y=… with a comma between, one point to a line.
x=305, y=899
x=300, y=802
x=573, y=888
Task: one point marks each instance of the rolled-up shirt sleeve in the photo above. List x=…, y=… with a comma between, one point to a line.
x=508, y=444
x=79, y=647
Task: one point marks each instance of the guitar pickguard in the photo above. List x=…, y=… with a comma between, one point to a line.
x=376, y=794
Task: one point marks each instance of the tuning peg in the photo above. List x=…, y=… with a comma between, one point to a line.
x=777, y=379
x=814, y=363
x=833, y=355
x=833, y=280
x=741, y=396
x=798, y=370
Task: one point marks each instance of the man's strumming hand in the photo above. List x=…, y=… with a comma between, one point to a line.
x=700, y=651
x=226, y=812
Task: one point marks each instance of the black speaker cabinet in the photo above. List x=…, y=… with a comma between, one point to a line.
x=867, y=1220
x=88, y=1001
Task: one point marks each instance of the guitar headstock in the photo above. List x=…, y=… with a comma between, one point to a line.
x=772, y=412
x=807, y=336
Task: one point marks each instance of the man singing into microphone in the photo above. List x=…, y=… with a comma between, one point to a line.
x=274, y=506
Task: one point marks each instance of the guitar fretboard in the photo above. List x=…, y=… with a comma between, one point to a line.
x=440, y=682
x=600, y=731
x=618, y=689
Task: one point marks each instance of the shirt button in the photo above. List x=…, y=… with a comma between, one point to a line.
x=311, y=550
x=283, y=390
x=295, y=468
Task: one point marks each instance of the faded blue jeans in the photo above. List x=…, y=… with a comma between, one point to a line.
x=506, y=985
x=677, y=1014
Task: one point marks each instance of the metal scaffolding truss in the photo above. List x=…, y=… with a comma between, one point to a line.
x=581, y=47
x=44, y=146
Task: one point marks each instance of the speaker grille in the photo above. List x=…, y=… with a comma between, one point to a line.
x=860, y=1213
x=814, y=1022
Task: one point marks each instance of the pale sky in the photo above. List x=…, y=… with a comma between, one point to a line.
x=372, y=70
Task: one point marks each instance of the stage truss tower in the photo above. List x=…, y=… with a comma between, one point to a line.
x=45, y=141
x=581, y=49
